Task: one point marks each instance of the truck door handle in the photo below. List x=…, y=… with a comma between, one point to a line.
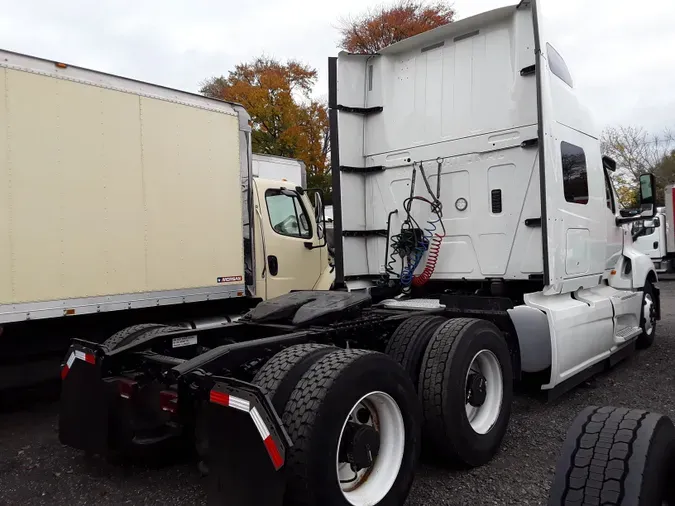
x=273, y=265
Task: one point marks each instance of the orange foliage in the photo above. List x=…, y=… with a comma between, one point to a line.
x=286, y=121
x=384, y=26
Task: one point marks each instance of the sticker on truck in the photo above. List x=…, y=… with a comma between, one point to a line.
x=179, y=342
x=229, y=279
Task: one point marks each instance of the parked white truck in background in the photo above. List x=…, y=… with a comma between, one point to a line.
x=279, y=168
x=121, y=204
x=655, y=236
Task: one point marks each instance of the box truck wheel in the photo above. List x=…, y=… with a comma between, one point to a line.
x=127, y=335
x=409, y=341
x=354, y=420
x=648, y=318
x=466, y=385
x=616, y=456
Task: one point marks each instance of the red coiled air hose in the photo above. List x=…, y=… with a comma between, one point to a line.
x=432, y=259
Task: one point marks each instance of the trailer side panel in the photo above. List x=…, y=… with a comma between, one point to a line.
x=114, y=193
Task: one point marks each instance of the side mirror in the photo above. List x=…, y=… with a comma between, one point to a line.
x=609, y=163
x=318, y=206
x=647, y=197
x=656, y=222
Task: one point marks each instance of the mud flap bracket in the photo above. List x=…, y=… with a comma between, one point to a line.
x=247, y=446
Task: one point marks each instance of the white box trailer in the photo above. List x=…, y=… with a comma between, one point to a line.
x=118, y=195
x=103, y=181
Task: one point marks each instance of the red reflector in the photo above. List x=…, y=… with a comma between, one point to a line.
x=168, y=401
x=126, y=387
x=64, y=372
x=88, y=357
x=220, y=398
x=274, y=452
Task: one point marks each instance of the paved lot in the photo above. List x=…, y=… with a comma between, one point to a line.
x=35, y=469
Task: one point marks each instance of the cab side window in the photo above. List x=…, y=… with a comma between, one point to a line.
x=575, y=173
x=287, y=215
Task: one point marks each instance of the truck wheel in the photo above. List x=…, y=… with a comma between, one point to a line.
x=354, y=420
x=616, y=456
x=648, y=318
x=125, y=336
x=278, y=377
x=408, y=342
x=466, y=385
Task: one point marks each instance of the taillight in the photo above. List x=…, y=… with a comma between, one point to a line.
x=168, y=401
x=126, y=387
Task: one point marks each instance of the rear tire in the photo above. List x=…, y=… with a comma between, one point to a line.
x=329, y=396
x=459, y=429
x=616, y=456
x=647, y=318
x=279, y=376
x=409, y=341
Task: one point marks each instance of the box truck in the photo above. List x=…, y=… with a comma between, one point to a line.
x=478, y=242
x=128, y=203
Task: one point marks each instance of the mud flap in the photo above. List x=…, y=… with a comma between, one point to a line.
x=83, y=420
x=247, y=447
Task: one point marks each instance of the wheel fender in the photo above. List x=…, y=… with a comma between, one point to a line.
x=534, y=338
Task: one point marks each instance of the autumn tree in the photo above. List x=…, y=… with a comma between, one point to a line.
x=286, y=120
x=638, y=152
x=380, y=27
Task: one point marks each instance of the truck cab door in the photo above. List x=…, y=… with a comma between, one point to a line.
x=290, y=244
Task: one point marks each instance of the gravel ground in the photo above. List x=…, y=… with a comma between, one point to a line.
x=35, y=469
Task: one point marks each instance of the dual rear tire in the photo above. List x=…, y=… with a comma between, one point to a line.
x=464, y=381
x=358, y=419
x=354, y=419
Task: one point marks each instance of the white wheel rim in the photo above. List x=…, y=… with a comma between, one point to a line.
x=372, y=485
x=482, y=418
x=649, y=316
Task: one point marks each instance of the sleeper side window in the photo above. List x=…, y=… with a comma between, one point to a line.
x=575, y=173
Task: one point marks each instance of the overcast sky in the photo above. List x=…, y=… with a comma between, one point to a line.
x=621, y=53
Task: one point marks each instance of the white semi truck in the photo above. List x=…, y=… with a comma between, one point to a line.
x=655, y=237
x=478, y=242
x=122, y=204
